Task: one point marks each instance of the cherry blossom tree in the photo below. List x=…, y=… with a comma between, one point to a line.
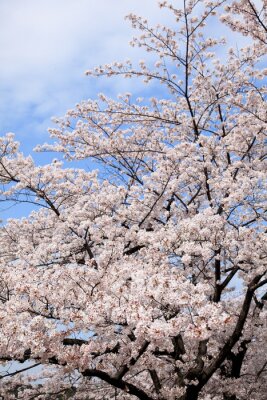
x=146, y=278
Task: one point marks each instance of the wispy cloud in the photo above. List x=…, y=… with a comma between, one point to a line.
x=46, y=46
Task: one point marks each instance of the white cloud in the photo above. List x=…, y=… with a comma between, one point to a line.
x=42, y=35
x=46, y=45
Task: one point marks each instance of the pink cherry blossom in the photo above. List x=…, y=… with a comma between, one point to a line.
x=146, y=278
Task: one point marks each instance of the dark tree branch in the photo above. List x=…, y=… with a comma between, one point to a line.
x=125, y=368
x=118, y=383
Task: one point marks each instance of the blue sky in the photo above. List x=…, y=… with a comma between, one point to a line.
x=46, y=45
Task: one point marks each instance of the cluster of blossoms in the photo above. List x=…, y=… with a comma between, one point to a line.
x=146, y=278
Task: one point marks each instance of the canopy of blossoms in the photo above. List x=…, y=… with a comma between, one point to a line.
x=146, y=278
